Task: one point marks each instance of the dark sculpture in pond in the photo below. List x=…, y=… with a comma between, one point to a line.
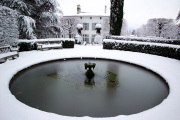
x=89, y=73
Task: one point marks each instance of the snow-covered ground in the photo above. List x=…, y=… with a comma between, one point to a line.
x=12, y=109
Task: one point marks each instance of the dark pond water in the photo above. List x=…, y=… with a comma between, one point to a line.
x=61, y=87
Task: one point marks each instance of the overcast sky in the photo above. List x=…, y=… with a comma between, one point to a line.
x=137, y=12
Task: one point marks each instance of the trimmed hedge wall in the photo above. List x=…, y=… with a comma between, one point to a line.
x=141, y=39
x=28, y=45
x=68, y=44
x=161, y=50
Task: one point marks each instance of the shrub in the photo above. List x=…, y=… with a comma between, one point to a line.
x=145, y=39
x=171, y=51
x=27, y=46
x=68, y=44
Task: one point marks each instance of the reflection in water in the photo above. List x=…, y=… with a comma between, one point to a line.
x=112, y=81
x=89, y=82
x=112, y=75
x=89, y=74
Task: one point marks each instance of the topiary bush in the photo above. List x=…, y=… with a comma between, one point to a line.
x=27, y=46
x=68, y=44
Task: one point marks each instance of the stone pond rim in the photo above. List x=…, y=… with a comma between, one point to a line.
x=84, y=58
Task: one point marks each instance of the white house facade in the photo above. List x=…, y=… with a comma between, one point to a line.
x=89, y=21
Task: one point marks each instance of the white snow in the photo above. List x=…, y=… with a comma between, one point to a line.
x=98, y=26
x=12, y=109
x=27, y=26
x=79, y=26
x=141, y=43
x=148, y=38
x=50, y=46
x=46, y=40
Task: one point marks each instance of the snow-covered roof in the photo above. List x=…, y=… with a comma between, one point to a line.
x=88, y=14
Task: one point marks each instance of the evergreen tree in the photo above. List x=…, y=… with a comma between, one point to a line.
x=116, y=17
x=37, y=18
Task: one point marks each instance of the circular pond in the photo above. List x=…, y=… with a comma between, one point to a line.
x=62, y=87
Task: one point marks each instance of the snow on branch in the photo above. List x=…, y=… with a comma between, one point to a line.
x=178, y=17
x=50, y=19
x=69, y=25
x=26, y=26
x=51, y=6
x=17, y=5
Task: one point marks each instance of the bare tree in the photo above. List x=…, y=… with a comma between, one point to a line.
x=142, y=31
x=158, y=27
x=178, y=16
x=68, y=24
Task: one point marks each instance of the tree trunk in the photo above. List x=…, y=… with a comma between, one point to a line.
x=69, y=33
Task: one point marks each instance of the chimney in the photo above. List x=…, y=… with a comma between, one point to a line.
x=78, y=9
x=105, y=10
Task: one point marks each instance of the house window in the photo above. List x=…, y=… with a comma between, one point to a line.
x=93, y=26
x=92, y=38
x=86, y=38
x=85, y=26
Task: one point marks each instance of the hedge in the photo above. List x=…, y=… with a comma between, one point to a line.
x=171, y=51
x=28, y=45
x=145, y=39
x=68, y=44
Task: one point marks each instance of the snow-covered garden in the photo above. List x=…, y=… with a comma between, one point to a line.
x=168, y=68
x=32, y=32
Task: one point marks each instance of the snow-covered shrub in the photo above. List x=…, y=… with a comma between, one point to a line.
x=68, y=43
x=26, y=27
x=98, y=26
x=18, y=5
x=27, y=46
x=8, y=26
x=79, y=26
x=146, y=39
x=172, y=51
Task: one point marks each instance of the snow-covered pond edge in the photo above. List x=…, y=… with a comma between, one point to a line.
x=10, y=108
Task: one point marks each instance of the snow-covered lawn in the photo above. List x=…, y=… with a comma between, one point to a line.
x=12, y=109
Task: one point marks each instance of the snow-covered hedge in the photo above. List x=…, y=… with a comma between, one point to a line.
x=8, y=26
x=166, y=50
x=27, y=45
x=68, y=44
x=146, y=39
